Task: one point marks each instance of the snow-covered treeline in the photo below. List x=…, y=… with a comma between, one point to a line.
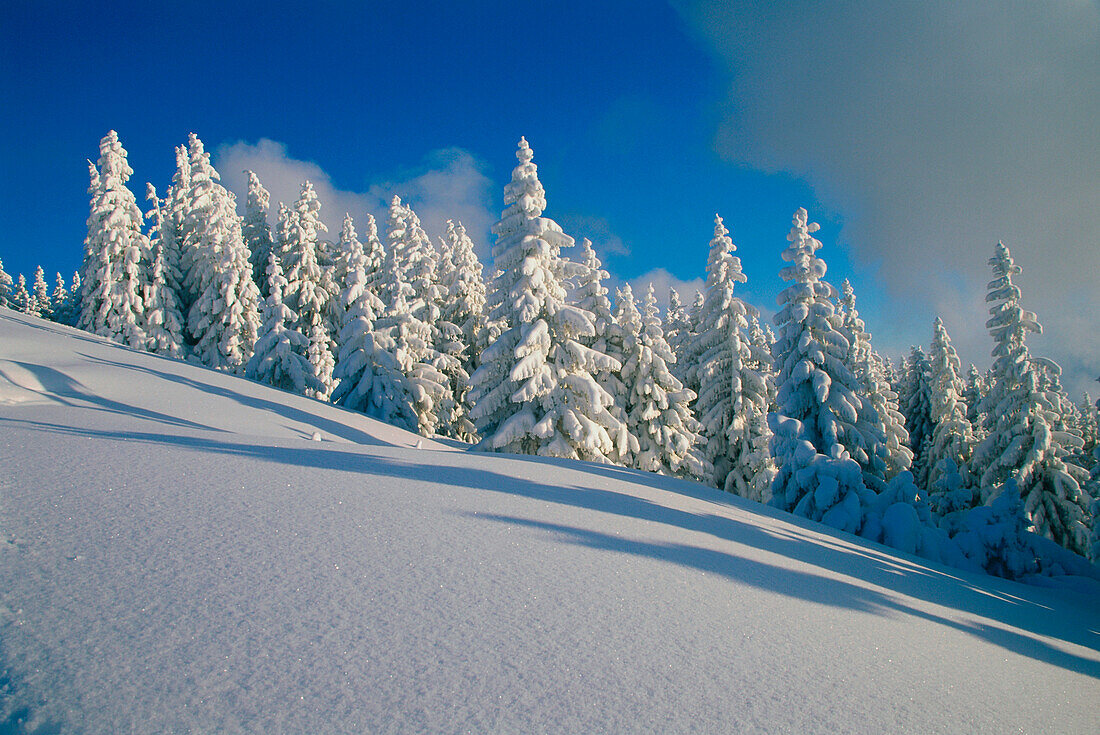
x=998, y=471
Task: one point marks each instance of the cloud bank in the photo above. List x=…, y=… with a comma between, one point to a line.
x=934, y=129
x=450, y=184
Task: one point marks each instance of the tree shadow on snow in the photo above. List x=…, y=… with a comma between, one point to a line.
x=992, y=606
x=327, y=426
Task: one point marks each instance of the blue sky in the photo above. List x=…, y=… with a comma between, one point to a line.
x=916, y=134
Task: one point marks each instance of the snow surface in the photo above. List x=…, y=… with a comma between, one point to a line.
x=177, y=555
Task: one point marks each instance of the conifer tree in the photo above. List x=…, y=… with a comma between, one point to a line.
x=281, y=355
x=1021, y=444
x=677, y=329
x=952, y=436
x=534, y=392
x=364, y=369
x=163, y=315
x=973, y=392
x=817, y=400
x=176, y=207
x=114, y=250
x=621, y=340
x=657, y=405
x=882, y=451
x=43, y=307
x=733, y=400
x=255, y=230
x=5, y=286
x=464, y=291
x=21, y=299
x=348, y=249
x=307, y=293
x=223, y=320
x=916, y=406
x=62, y=304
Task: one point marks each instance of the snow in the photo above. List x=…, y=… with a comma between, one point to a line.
x=176, y=554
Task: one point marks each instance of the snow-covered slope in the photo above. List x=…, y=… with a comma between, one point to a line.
x=177, y=555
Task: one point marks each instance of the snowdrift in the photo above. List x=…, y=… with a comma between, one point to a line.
x=179, y=553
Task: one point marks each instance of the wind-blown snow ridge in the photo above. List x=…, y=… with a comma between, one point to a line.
x=177, y=555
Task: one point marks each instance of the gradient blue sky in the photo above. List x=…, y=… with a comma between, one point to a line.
x=917, y=134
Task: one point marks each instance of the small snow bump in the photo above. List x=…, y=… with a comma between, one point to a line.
x=315, y=436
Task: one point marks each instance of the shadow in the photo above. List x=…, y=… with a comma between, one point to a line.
x=805, y=586
x=983, y=598
x=65, y=390
x=326, y=426
x=63, y=330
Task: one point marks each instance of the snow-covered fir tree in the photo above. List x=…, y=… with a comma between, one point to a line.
x=817, y=395
x=62, y=303
x=733, y=397
x=414, y=253
x=43, y=307
x=677, y=329
x=307, y=293
x=658, y=406
x=1022, y=444
x=534, y=392
x=621, y=340
x=952, y=436
x=114, y=250
x=613, y=331
x=163, y=315
x=281, y=357
x=973, y=392
x=21, y=298
x=255, y=230
x=464, y=291
x=915, y=400
x=163, y=319
x=223, y=320
x=366, y=373
x=175, y=208
x=6, y=286
x=883, y=451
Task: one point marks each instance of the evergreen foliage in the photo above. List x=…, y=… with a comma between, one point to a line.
x=534, y=392
x=817, y=400
x=114, y=251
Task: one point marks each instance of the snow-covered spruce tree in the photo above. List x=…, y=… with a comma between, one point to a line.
x=916, y=405
x=733, y=398
x=366, y=374
x=348, y=248
x=223, y=320
x=883, y=452
x=817, y=395
x=255, y=230
x=164, y=321
x=163, y=315
x=41, y=295
x=464, y=291
x=611, y=337
x=1022, y=443
x=534, y=392
x=307, y=292
x=22, y=299
x=414, y=253
x=281, y=355
x=62, y=304
x=621, y=341
x=657, y=405
x=677, y=329
x=415, y=394
x=6, y=286
x=418, y=263
x=952, y=436
x=114, y=251
x=973, y=393
x=175, y=208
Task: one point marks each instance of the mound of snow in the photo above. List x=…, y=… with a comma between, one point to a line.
x=177, y=555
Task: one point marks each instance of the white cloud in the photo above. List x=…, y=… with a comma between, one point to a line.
x=935, y=129
x=450, y=184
